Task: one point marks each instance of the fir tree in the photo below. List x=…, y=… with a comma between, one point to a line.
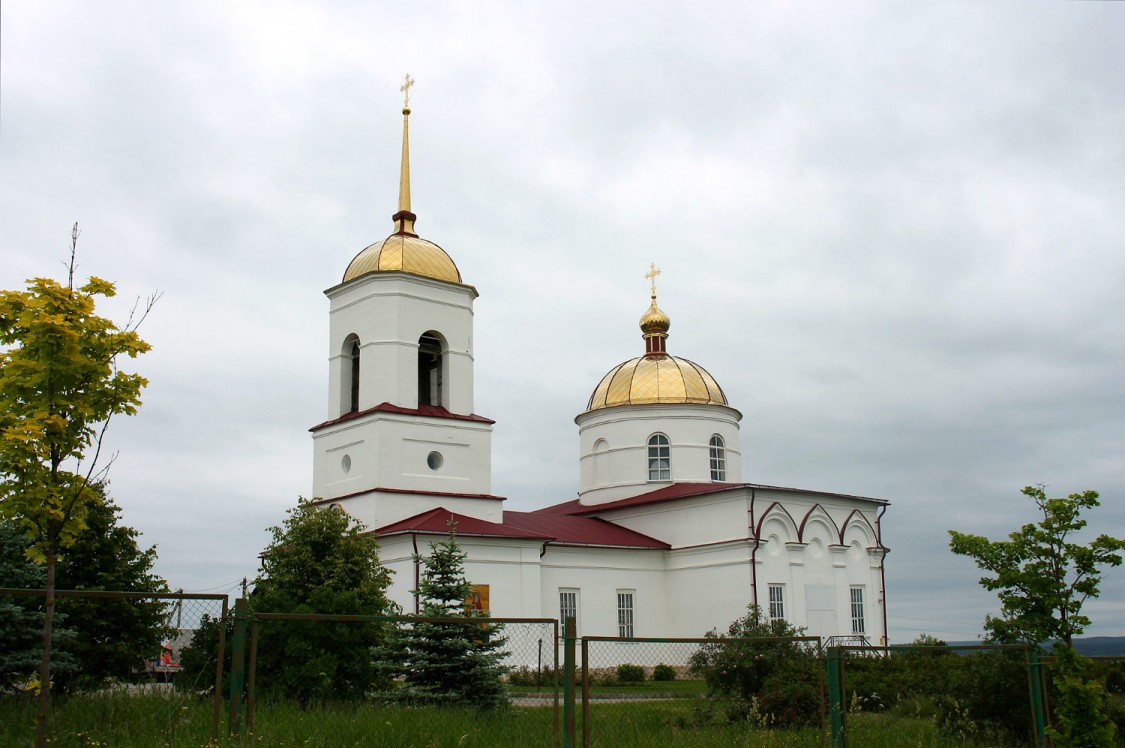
x=451, y=662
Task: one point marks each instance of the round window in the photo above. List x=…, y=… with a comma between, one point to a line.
x=346, y=463
x=434, y=460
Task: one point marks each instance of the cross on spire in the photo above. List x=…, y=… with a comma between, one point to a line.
x=405, y=88
x=404, y=219
x=651, y=275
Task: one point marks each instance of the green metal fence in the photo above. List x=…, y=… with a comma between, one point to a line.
x=983, y=692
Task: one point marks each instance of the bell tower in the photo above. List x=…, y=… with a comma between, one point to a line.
x=400, y=424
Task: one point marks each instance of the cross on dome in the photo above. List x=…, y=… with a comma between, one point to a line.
x=653, y=271
x=405, y=88
x=654, y=322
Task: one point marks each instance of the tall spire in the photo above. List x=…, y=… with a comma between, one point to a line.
x=654, y=322
x=404, y=219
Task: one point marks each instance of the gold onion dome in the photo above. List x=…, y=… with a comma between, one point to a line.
x=404, y=251
x=656, y=377
x=655, y=321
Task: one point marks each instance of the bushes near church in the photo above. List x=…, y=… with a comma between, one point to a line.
x=775, y=682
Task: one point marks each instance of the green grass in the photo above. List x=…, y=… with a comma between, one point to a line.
x=153, y=720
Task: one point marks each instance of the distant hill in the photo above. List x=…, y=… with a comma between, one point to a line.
x=1100, y=646
x=1090, y=646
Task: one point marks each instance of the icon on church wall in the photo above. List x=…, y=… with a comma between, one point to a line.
x=478, y=598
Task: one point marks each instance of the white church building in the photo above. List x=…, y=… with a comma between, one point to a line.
x=664, y=539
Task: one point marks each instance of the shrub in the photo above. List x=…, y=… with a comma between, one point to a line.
x=1080, y=717
x=529, y=676
x=627, y=673
x=756, y=677
x=789, y=703
x=664, y=672
x=992, y=690
x=1110, y=672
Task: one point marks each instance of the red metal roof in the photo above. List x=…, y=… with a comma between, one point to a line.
x=676, y=491
x=667, y=493
x=562, y=530
x=570, y=530
x=428, y=411
x=418, y=492
x=436, y=522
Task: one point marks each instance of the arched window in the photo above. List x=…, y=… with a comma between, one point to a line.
x=600, y=457
x=659, y=458
x=429, y=370
x=718, y=454
x=349, y=374
x=353, y=394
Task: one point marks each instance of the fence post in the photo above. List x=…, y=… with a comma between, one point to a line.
x=250, y=679
x=585, y=694
x=238, y=664
x=568, y=683
x=1037, y=692
x=836, y=713
x=220, y=657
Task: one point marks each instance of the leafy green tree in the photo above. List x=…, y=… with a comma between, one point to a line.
x=114, y=637
x=59, y=388
x=103, y=638
x=452, y=662
x=321, y=561
x=769, y=680
x=1041, y=575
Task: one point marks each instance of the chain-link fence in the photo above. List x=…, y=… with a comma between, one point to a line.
x=684, y=691
x=987, y=694
x=396, y=680
x=118, y=658
x=379, y=681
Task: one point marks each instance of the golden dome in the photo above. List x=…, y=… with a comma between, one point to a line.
x=406, y=253
x=658, y=378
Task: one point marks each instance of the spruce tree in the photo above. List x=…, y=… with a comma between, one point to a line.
x=451, y=662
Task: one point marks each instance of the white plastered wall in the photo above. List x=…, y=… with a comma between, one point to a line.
x=510, y=568
x=815, y=569
x=390, y=450
x=620, y=469
x=598, y=573
x=389, y=312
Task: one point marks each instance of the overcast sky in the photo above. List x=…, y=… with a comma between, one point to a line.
x=893, y=232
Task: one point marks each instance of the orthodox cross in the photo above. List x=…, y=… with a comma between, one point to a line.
x=651, y=275
x=405, y=88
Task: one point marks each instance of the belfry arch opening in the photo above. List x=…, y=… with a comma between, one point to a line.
x=431, y=369
x=349, y=386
